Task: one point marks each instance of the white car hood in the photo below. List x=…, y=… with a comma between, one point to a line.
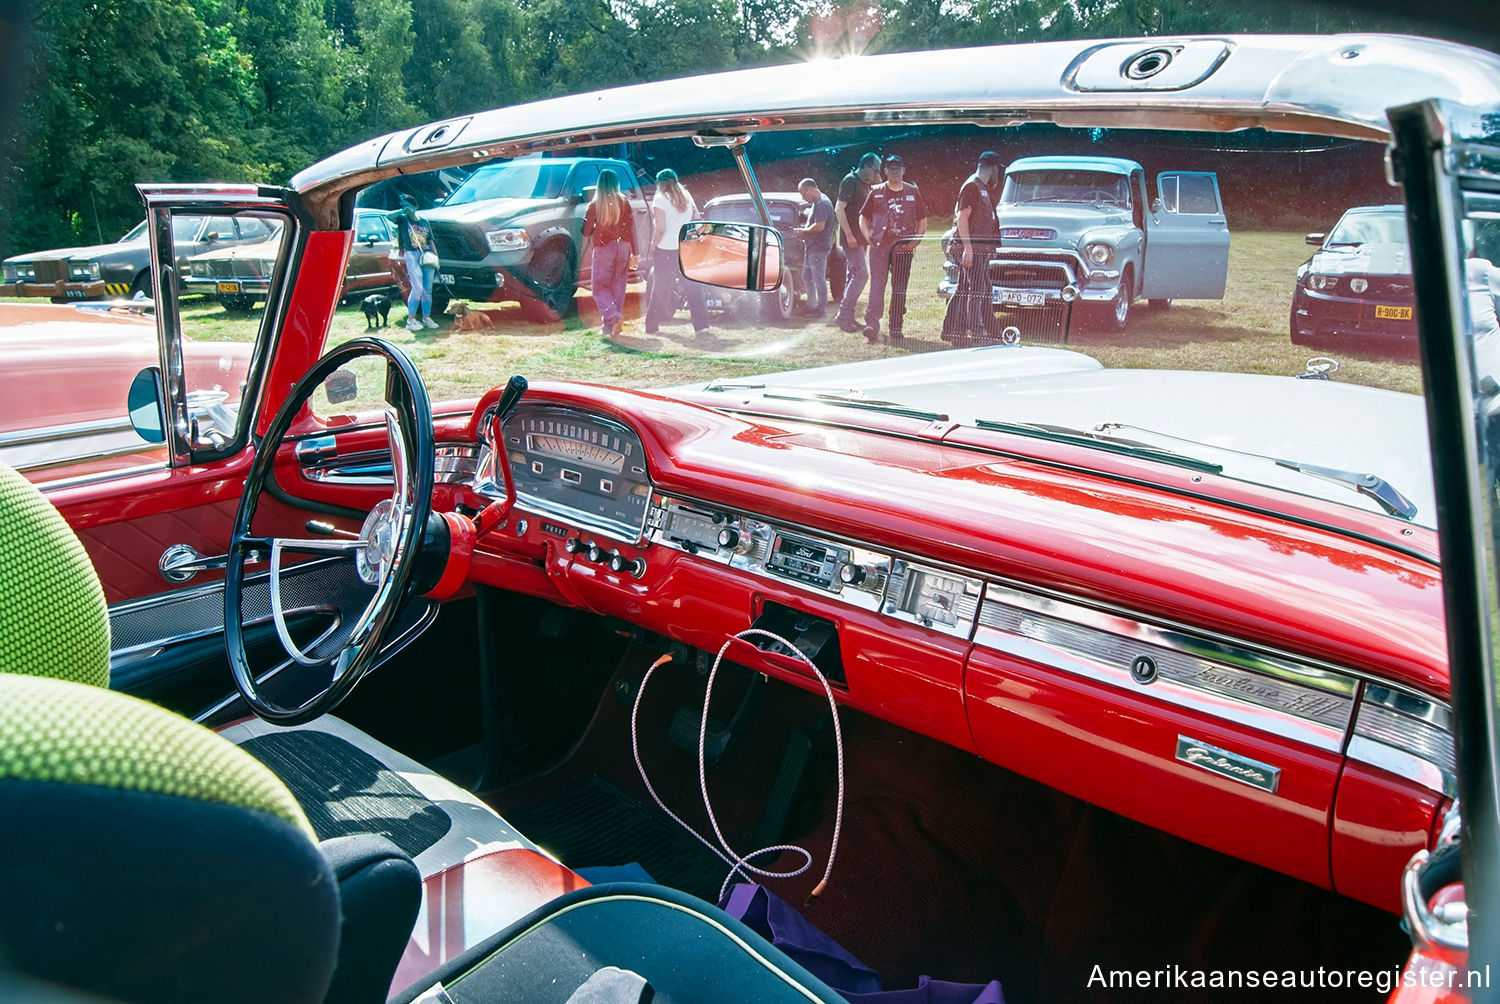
x=1243, y=422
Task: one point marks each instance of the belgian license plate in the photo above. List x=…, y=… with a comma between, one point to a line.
x=1392, y=313
x=1022, y=299
x=229, y=287
x=447, y=278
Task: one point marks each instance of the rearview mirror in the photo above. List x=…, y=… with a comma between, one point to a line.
x=143, y=402
x=731, y=255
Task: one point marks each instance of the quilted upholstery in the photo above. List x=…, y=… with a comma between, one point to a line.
x=53, y=619
x=56, y=730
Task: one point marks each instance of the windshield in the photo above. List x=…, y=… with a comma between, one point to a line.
x=1387, y=227
x=1064, y=186
x=517, y=179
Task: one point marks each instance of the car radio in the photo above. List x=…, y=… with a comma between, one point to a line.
x=804, y=560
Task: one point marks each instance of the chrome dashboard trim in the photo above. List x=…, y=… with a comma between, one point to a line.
x=1406, y=735
x=883, y=574
x=1277, y=696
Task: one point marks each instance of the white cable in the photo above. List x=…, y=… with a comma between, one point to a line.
x=740, y=863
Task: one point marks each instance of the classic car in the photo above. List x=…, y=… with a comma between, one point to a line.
x=121, y=269
x=1081, y=232
x=239, y=277
x=1357, y=286
x=65, y=386
x=513, y=232
x=1138, y=669
x=787, y=211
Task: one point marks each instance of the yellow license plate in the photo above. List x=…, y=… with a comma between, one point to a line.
x=234, y=287
x=1393, y=313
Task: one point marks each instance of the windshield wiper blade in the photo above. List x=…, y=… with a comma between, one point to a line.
x=1371, y=486
x=855, y=399
x=1094, y=440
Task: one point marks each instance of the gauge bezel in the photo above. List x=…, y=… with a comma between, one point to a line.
x=488, y=483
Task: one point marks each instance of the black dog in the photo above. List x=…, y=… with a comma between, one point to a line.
x=376, y=305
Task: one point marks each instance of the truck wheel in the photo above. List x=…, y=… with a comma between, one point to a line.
x=554, y=279
x=776, y=305
x=141, y=286
x=1114, y=315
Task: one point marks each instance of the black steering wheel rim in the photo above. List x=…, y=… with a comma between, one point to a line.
x=409, y=416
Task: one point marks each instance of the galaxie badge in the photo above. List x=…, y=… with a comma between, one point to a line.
x=1230, y=765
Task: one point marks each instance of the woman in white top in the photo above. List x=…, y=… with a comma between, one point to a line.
x=671, y=207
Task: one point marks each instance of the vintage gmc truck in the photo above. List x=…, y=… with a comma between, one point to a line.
x=1081, y=231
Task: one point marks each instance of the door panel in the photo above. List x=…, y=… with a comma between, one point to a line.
x=1187, y=239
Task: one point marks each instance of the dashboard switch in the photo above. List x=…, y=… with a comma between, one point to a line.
x=596, y=554
x=618, y=562
x=729, y=537
x=851, y=574
x=575, y=546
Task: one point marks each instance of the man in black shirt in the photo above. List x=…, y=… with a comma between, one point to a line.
x=893, y=214
x=851, y=198
x=972, y=311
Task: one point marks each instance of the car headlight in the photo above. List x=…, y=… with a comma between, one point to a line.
x=198, y=268
x=1359, y=285
x=1099, y=253
x=508, y=240
x=12, y=273
x=83, y=270
x=1323, y=281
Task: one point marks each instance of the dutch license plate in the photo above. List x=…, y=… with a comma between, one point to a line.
x=229, y=287
x=1023, y=299
x=447, y=277
x=1393, y=313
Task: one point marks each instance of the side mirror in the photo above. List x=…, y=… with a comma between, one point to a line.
x=143, y=402
x=210, y=237
x=1316, y=240
x=341, y=386
x=1156, y=206
x=370, y=241
x=731, y=255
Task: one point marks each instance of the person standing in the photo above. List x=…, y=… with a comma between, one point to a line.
x=609, y=225
x=414, y=241
x=851, y=198
x=893, y=213
x=972, y=310
x=671, y=207
x=817, y=235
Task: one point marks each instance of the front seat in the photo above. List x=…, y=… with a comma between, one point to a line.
x=142, y=856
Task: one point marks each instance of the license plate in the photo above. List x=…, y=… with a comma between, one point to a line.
x=446, y=278
x=229, y=287
x=74, y=294
x=1022, y=299
x=1393, y=313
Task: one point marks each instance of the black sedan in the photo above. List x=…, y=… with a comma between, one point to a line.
x=1357, y=287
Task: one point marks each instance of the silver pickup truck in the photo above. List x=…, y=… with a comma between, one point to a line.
x=1081, y=232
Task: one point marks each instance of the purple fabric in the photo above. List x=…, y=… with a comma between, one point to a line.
x=610, y=270
x=773, y=919
x=931, y=991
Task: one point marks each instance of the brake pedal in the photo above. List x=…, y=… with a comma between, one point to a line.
x=684, y=735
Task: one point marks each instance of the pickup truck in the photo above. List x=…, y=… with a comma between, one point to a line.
x=1081, y=231
x=513, y=231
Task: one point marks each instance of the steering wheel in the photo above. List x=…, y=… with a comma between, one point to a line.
x=384, y=552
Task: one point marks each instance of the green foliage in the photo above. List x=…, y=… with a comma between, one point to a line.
x=128, y=91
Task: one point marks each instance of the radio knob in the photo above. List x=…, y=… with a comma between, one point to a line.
x=574, y=546
x=596, y=553
x=851, y=574
x=729, y=537
x=620, y=563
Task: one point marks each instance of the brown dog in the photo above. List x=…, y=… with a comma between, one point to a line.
x=470, y=318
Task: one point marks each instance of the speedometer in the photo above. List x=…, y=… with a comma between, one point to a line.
x=582, y=468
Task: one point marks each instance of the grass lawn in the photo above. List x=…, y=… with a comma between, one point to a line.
x=1245, y=332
